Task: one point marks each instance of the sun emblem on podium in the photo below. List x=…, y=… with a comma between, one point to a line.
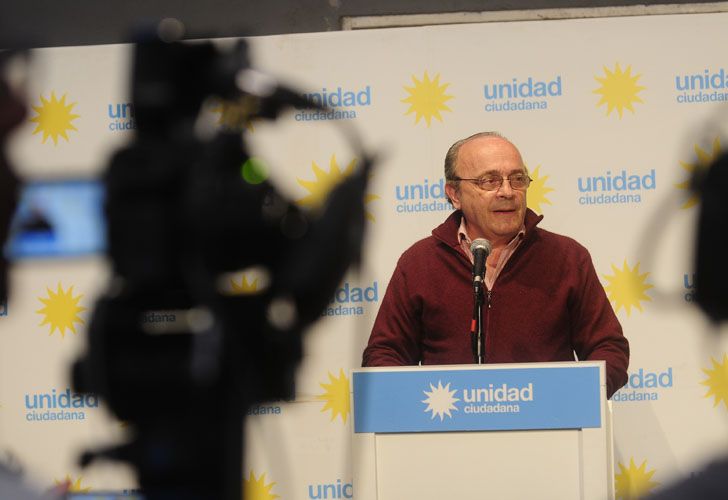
x=538, y=190
x=627, y=288
x=703, y=161
x=634, y=482
x=61, y=310
x=440, y=400
x=256, y=489
x=337, y=396
x=717, y=381
x=427, y=98
x=54, y=118
x=325, y=181
x=618, y=89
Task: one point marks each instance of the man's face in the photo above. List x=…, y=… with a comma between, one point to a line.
x=495, y=215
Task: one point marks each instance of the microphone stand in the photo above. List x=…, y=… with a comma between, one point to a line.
x=476, y=325
x=480, y=249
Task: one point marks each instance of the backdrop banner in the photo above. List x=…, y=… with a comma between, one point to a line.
x=611, y=116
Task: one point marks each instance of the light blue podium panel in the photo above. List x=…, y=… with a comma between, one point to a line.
x=510, y=431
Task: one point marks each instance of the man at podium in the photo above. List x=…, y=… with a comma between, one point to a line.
x=542, y=301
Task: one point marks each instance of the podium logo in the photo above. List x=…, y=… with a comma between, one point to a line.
x=645, y=385
x=427, y=98
x=538, y=190
x=634, y=482
x=525, y=94
x=717, y=381
x=58, y=406
x=61, y=310
x=702, y=161
x=700, y=88
x=342, y=103
x=72, y=485
x=336, y=395
x=627, y=288
x=621, y=187
x=426, y=196
x=54, y=118
x=493, y=398
x=318, y=190
x=255, y=488
x=618, y=89
x=440, y=401
x=121, y=115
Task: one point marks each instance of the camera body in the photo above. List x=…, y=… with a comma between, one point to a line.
x=711, y=266
x=180, y=216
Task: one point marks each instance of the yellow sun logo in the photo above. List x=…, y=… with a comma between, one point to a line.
x=537, y=191
x=704, y=160
x=61, y=310
x=244, y=287
x=325, y=181
x=717, y=381
x=54, y=118
x=634, y=482
x=234, y=115
x=427, y=98
x=337, y=396
x=73, y=486
x=627, y=287
x=256, y=489
x=618, y=89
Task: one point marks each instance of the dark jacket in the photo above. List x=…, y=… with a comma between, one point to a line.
x=546, y=304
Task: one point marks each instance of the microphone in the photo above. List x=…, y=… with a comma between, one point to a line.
x=480, y=248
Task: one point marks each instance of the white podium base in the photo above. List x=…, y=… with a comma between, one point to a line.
x=476, y=465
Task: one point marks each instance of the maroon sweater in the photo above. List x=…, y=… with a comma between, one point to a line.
x=546, y=304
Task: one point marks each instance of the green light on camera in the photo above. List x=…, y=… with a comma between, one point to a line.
x=254, y=171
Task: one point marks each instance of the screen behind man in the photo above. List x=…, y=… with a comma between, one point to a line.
x=543, y=302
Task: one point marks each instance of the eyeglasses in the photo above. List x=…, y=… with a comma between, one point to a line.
x=494, y=182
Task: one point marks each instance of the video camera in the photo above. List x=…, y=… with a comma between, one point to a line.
x=180, y=217
x=711, y=267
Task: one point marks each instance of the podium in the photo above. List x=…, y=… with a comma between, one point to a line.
x=506, y=431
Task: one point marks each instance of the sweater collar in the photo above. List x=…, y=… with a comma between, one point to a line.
x=447, y=232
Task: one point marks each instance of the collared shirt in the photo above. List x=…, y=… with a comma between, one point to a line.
x=491, y=272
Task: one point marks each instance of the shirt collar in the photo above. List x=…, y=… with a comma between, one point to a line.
x=464, y=238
